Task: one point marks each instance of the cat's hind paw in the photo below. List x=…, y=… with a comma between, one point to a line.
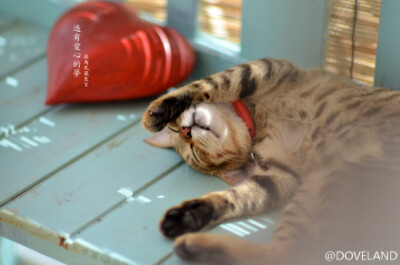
x=188, y=248
x=190, y=216
x=203, y=248
x=225, y=249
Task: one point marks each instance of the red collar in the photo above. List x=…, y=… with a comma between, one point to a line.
x=244, y=113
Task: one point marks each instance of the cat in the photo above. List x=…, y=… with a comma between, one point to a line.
x=325, y=148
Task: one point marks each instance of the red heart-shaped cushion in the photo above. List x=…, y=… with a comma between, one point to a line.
x=101, y=51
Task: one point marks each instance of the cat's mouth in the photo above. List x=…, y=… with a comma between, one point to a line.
x=186, y=132
x=197, y=119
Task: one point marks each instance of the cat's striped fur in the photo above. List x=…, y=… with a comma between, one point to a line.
x=321, y=141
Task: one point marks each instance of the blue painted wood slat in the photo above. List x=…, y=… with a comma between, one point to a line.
x=290, y=29
x=58, y=138
x=96, y=183
x=132, y=230
x=22, y=44
x=387, y=54
x=6, y=21
x=22, y=95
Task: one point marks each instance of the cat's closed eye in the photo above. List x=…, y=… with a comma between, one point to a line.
x=173, y=129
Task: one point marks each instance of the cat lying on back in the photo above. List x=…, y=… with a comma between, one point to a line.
x=326, y=147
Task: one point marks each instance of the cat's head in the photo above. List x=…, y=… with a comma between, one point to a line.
x=211, y=138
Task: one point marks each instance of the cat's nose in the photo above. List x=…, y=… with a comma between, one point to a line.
x=185, y=132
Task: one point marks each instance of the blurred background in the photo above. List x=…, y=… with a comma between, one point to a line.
x=351, y=37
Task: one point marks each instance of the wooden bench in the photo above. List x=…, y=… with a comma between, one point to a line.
x=78, y=183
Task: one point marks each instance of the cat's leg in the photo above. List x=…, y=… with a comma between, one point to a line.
x=219, y=249
x=294, y=241
x=263, y=191
x=243, y=81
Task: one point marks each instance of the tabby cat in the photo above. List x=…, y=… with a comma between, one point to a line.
x=325, y=147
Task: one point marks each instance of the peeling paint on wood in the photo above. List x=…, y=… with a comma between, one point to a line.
x=82, y=247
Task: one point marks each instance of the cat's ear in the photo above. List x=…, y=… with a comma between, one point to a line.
x=160, y=139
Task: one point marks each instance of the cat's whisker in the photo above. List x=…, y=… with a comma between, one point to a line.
x=187, y=170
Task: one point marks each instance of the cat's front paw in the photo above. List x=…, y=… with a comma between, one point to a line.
x=156, y=116
x=190, y=216
x=163, y=110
